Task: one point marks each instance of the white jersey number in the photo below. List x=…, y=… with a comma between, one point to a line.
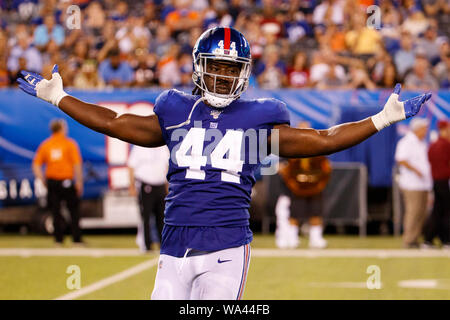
x=231, y=143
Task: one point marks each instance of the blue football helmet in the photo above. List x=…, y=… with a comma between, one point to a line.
x=226, y=44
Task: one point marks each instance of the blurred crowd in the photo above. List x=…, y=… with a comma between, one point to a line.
x=324, y=44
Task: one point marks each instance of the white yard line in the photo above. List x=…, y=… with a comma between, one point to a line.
x=352, y=253
x=110, y=280
x=279, y=253
x=69, y=252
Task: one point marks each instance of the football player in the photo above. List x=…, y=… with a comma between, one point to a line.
x=205, y=251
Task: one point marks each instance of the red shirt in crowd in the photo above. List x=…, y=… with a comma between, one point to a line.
x=298, y=79
x=439, y=157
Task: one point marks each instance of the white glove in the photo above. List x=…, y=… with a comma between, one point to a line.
x=48, y=90
x=395, y=110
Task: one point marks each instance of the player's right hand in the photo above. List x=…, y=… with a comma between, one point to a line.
x=48, y=90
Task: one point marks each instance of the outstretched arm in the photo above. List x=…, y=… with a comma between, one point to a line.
x=138, y=130
x=295, y=143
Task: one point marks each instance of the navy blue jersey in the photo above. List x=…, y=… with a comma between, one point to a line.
x=211, y=171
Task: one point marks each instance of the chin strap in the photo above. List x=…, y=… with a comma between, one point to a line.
x=189, y=117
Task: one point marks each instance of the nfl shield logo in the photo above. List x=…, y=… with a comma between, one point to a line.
x=215, y=113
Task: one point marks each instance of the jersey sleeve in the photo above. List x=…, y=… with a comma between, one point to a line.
x=162, y=110
x=278, y=114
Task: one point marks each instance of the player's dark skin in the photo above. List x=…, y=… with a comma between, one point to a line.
x=145, y=131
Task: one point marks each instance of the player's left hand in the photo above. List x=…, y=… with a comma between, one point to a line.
x=395, y=110
x=48, y=90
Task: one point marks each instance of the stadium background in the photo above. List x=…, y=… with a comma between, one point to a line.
x=317, y=56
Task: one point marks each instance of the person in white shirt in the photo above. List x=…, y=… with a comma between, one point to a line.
x=148, y=169
x=415, y=180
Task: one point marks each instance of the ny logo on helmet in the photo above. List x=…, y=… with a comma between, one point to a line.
x=221, y=49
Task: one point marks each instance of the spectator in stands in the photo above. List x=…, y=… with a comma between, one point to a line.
x=125, y=37
x=414, y=179
x=145, y=69
x=79, y=55
x=270, y=22
x=185, y=66
x=150, y=12
x=25, y=10
x=433, y=8
x=271, y=71
x=48, y=31
x=334, y=37
x=421, y=77
x=216, y=15
x=254, y=35
x=429, y=44
x=95, y=18
x=442, y=71
x=382, y=69
x=4, y=75
x=182, y=18
x=14, y=75
x=298, y=73
x=189, y=45
x=362, y=40
x=438, y=223
x=108, y=41
x=88, y=78
x=120, y=12
x=331, y=79
x=337, y=26
x=389, y=76
x=63, y=178
x=444, y=48
x=359, y=78
x=391, y=19
x=115, y=72
x=321, y=65
x=4, y=49
x=162, y=42
x=405, y=57
x=416, y=22
x=54, y=56
x=99, y=36
x=168, y=70
x=24, y=49
x=296, y=27
x=131, y=33
x=329, y=11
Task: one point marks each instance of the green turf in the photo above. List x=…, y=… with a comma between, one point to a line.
x=269, y=278
x=314, y=279
x=319, y=278
x=45, y=277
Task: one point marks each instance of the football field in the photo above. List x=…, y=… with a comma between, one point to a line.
x=111, y=267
